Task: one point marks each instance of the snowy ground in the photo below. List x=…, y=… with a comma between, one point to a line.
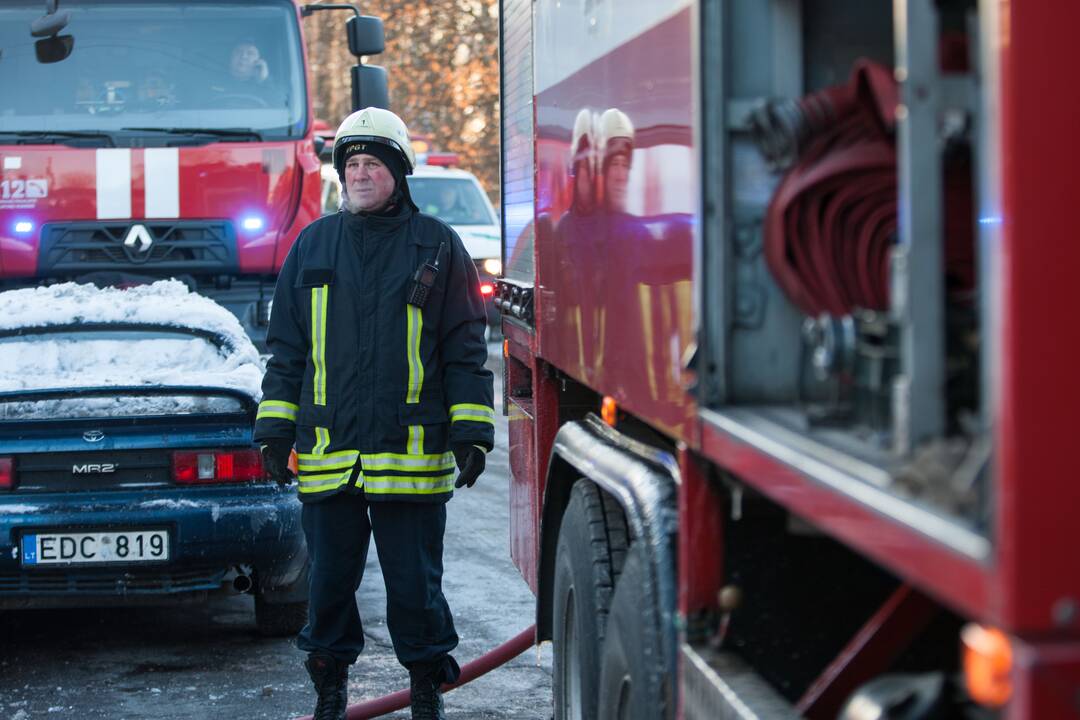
x=203, y=661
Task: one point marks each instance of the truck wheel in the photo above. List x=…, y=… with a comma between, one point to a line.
x=631, y=686
x=589, y=555
x=280, y=619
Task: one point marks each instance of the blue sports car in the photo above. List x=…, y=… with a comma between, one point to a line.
x=127, y=469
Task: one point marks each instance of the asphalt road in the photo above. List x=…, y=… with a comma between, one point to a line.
x=207, y=661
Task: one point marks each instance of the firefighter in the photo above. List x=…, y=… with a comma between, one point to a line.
x=377, y=377
x=616, y=152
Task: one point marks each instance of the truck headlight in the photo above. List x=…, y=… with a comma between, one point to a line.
x=493, y=266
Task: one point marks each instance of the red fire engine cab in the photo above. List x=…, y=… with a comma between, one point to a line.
x=151, y=139
x=790, y=354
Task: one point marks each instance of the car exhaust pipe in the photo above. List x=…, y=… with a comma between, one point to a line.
x=242, y=583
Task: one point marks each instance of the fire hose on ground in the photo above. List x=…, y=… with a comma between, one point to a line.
x=480, y=666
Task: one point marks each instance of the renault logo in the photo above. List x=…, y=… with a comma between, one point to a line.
x=139, y=234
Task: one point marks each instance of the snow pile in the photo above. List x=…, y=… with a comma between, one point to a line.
x=38, y=360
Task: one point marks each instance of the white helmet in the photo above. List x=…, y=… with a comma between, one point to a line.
x=373, y=125
x=616, y=133
x=583, y=141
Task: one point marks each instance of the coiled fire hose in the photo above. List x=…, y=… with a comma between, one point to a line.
x=832, y=221
x=480, y=666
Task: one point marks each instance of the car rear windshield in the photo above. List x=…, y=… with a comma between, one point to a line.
x=457, y=201
x=79, y=359
x=222, y=65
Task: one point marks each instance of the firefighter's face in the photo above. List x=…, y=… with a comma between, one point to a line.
x=616, y=178
x=583, y=187
x=368, y=182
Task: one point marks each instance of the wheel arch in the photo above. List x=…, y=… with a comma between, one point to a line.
x=642, y=480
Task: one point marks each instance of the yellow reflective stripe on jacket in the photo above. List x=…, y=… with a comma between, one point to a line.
x=394, y=485
x=473, y=412
x=416, y=440
x=323, y=481
x=277, y=409
x=310, y=462
x=319, y=297
x=415, y=321
x=322, y=441
x=438, y=462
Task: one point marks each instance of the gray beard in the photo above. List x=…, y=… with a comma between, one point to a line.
x=348, y=206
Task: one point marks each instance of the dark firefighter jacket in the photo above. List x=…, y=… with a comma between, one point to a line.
x=358, y=375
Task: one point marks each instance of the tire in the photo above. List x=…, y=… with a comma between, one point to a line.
x=589, y=555
x=631, y=685
x=280, y=619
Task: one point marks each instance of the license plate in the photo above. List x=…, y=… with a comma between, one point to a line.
x=93, y=548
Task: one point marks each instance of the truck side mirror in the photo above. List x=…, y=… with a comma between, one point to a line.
x=366, y=35
x=370, y=87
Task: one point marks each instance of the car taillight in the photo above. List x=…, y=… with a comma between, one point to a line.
x=7, y=474
x=486, y=288
x=206, y=467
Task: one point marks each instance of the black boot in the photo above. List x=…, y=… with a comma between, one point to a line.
x=331, y=678
x=424, y=683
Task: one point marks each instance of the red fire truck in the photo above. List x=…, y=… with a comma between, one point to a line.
x=153, y=139
x=790, y=354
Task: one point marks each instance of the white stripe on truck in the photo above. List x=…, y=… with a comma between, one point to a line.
x=113, y=183
x=162, y=182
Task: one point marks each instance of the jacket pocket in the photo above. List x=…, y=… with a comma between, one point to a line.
x=314, y=277
x=426, y=426
x=425, y=412
x=315, y=415
x=313, y=426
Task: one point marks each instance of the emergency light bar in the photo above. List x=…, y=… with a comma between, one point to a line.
x=447, y=159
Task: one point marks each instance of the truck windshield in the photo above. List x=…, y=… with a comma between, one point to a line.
x=456, y=201
x=161, y=65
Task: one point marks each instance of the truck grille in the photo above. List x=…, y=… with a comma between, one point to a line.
x=196, y=247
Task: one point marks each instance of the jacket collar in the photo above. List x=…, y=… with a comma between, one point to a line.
x=379, y=222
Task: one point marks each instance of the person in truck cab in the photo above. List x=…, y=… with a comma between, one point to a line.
x=247, y=65
x=377, y=378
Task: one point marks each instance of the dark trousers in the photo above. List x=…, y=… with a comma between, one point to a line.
x=409, y=540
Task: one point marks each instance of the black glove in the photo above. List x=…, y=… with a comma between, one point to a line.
x=470, y=461
x=275, y=453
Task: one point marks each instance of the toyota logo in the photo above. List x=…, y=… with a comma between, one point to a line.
x=93, y=436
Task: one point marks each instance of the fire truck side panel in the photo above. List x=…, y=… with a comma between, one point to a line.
x=614, y=264
x=869, y=526
x=1040, y=340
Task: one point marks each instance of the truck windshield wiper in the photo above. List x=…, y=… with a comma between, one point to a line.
x=238, y=134
x=49, y=137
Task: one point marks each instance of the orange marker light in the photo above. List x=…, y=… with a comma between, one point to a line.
x=988, y=660
x=506, y=348
x=608, y=410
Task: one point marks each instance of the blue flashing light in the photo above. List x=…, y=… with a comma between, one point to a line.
x=24, y=227
x=990, y=220
x=252, y=223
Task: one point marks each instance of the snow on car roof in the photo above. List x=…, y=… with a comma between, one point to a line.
x=71, y=359
x=165, y=302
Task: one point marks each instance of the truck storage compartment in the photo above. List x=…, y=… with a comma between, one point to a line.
x=844, y=301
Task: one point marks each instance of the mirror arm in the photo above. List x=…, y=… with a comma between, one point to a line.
x=307, y=10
